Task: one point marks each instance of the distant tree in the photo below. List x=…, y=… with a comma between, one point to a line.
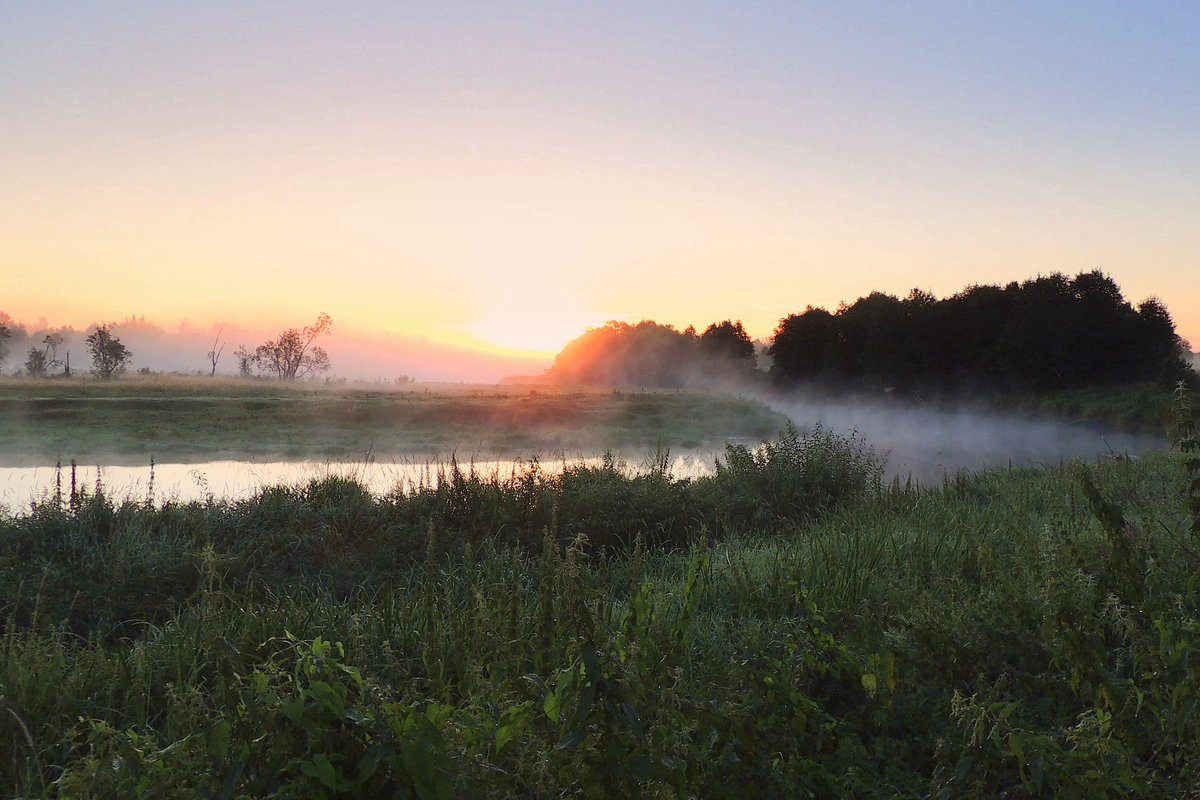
x=40, y=362
x=109, y=356
x=803, y=345
x=726, y=344
x=971, y=337
x=871, y=332
x=5, y=335
x=1044, y=334
x=620, y=353
x=35, y=363
x=214, y=355
x=651, y=354
x=52, y=341
x=1163, y=354
x=12, y=338
x=293, y=354
x=245, y=359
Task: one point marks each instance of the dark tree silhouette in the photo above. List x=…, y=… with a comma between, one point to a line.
x=109, y=356
x=1164, y=352
x=293, y=355
x=727, y=344
x=35, y=363
x=1047, y=333
x=870, y=331
x=5, y=335
x=970, y=337
x=245, y=359
x=39, y=362
x=214, y=355
x=803, y=345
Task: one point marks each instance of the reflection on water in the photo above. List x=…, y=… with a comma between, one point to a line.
x=233, y=480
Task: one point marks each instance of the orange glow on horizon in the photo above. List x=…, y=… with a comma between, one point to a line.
x=533, y=323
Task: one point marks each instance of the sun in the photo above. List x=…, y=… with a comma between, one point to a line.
x=534, y=324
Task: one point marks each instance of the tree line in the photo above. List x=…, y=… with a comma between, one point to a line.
x=1046, y=333
x=290, y=356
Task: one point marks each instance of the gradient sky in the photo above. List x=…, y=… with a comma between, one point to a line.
x=503, y=175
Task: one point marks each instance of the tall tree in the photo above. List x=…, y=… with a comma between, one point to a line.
x=39, y=362
x=803, y=345
x=214, y=355
x=1162, y=354
x=35, y=363
x=726, y=344
x=245, y=359
x=5, y=335
x=293, y=355
x=109, y=356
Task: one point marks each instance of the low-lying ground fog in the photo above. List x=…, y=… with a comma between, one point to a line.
x=928, y=443
x=221, y=446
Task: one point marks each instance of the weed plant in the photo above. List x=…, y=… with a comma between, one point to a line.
x=788, y=627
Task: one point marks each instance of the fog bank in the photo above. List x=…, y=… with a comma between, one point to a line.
x=354, y=354
x=929, y=443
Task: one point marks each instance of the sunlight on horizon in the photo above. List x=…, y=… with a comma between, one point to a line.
x=504, y=179
x=539, y=321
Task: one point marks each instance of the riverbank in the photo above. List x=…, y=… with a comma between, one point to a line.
x=787, y=624
x=191, y=420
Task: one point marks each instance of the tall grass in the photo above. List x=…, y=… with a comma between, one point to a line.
x=767, y=631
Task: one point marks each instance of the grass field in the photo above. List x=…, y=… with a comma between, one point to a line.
x=193, y=419
x=1143, y=407
x=788, y=626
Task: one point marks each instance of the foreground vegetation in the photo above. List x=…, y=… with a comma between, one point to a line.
x=196, y=419
x=786, y=627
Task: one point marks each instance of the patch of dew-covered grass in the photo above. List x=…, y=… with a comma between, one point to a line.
x=791, y=626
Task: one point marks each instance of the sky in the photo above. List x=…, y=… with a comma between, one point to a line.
x=500, y=176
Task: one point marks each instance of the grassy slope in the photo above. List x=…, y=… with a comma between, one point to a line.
x=1142, y=407
x=130, y=420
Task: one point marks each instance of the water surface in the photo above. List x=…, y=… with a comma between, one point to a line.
x=233, y=480
x=926, y=444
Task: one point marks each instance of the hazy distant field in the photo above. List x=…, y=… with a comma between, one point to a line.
x=194, y=419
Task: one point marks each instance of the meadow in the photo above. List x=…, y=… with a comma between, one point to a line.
x=190, y=419
x=790, y=626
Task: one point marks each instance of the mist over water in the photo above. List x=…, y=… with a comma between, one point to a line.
x=929, y=443
x=925, y=442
